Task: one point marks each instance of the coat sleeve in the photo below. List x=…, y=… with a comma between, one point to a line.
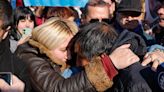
x=45, y=79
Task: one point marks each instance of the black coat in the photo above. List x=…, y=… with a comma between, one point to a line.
x=131, y=79
x=10, y=63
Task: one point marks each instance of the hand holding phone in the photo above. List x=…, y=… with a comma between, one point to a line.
x=27, y=31
x=6, y=76
x=17, y=85
x=25, y=36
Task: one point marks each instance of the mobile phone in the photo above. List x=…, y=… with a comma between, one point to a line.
x=27, y=31
x=7, y=76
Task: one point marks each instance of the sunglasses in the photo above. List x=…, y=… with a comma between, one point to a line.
x=108, y=21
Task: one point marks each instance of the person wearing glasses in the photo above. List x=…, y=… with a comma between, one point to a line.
x=96, y=11
x=47, y=55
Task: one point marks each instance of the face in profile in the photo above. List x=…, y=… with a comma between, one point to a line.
x=60, y=53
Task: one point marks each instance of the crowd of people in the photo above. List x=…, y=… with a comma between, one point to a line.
x=106, y=46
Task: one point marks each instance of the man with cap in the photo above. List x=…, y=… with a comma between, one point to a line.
x=128, y=17
x=131, y=79
x=128, y=12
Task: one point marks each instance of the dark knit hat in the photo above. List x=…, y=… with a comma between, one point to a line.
x=130, y=6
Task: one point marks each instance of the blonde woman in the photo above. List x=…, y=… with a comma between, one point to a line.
x=52, y=39
x=46, y=55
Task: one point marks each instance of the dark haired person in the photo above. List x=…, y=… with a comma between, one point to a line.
x=23, y=23
x=8, y=61
x=159, y=30
x=129, y=16
x=45, y=70
x=96, y=11
x=98, y=40
x=156, y=56
x=159, y=37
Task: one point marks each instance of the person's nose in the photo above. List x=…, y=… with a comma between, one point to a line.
x=66, y=55
x=27, y=24
x=130, y=18
x=100, y=19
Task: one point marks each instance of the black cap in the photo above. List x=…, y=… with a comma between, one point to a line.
x=161, y=1
x=130, y=6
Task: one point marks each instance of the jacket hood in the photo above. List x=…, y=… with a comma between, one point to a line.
x=138, y=45
x=46, y=51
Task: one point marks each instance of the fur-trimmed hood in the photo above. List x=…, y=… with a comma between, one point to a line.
x=97, y=74
x=46, y=51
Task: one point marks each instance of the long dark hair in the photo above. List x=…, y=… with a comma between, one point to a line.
x=19, y=14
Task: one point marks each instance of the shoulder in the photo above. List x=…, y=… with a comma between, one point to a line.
x=26, y=51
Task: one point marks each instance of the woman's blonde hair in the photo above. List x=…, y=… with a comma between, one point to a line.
x=54, y=32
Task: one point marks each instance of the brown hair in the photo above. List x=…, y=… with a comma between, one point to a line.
x=61, y=12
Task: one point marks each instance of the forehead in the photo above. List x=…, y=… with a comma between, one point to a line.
x=97, y=8
x=98, y=11
x=28, y=17
x=64, y=42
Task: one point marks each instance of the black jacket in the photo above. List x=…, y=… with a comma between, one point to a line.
x=10, y=63
x=130, y=79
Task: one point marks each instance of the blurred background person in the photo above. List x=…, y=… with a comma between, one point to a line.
x=96, y=11
x=8, y=61
x=24, y=22
x=60, y=12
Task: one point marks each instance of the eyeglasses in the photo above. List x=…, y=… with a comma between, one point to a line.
x=106, y=20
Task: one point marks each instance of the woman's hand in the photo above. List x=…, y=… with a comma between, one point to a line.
x=24, y=39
